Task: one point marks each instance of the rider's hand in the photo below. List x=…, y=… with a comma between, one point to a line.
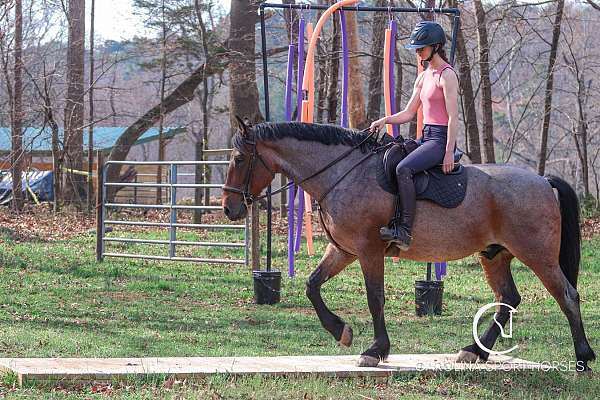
x=379, y=128
x=448, y=165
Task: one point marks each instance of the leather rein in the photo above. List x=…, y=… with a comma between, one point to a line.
x=249, y=198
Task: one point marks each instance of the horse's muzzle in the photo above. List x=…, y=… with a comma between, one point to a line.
x=235, y=213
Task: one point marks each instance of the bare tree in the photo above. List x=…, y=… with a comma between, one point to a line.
x=375, y=69
x=334, y=66
x=472, y=139
x=487, y=134
x=90, y=187
x=17, y=110
x=203, y=142
x=560, y=4
x=356, y=99
x=243, y=91
x=161, y=118
x=74, y=100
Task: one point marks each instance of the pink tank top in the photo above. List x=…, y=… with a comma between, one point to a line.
x=432, y=97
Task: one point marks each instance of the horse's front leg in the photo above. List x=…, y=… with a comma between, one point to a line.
x=372, y=265
x=334, y=261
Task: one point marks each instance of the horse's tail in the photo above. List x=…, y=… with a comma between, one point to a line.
x=570, y=236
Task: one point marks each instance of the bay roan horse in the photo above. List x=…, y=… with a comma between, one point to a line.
x=507, y=212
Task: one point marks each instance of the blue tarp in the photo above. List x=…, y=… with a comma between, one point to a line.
x=40, y=183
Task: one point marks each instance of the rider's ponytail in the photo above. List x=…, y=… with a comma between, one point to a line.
x=442, y=54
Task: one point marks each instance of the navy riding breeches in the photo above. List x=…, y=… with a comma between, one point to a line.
x=431, y=150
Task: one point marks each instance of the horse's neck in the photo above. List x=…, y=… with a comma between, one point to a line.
x=300, y=159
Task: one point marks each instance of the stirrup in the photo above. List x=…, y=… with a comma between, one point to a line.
x=397, y=234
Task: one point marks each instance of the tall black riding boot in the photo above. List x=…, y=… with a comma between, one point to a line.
x=399, y=230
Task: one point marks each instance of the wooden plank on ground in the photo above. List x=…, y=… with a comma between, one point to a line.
x=114, y=369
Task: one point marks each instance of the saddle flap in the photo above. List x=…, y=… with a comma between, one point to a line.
x=446, y=190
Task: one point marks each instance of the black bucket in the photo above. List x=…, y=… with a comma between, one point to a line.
x=428, y=297
x=267, y=286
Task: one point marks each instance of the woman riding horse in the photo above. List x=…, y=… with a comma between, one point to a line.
x=508, y=212
x=436, y=89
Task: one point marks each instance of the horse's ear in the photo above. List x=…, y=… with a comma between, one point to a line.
x=244, y=127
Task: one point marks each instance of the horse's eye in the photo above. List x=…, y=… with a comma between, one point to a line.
x=238, y=160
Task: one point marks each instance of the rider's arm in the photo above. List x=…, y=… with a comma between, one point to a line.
x=449, y=83
x=413, y=105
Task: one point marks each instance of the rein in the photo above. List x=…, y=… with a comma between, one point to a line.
x=249, y=198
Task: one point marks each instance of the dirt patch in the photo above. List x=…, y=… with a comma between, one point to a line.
x=40, y=223
x=124, y=296
x=590, y=227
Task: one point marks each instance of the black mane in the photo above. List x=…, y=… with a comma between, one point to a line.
x=322, y=133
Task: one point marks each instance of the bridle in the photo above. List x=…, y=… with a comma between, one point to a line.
x=246, y=195
x=249, y=198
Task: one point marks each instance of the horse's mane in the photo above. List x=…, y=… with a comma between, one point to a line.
x=321, y=133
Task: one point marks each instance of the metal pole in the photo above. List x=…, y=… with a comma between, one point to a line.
x=173, y=213
x=455, y=27
x=246, y=242
x=99, y=206
x=455, y=11
x=135, y=189
x=428, y=271
x=269, y=223
x=263, y=38
x=263, y=41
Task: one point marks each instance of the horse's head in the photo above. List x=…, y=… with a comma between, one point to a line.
x=247, y=174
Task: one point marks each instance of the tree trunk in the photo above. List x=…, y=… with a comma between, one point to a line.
x=17, y=111
x=74, y=101
x=161, y=119
x=375, y=69
x=468, y=98
x=580, y=130
x=111, y=98
x=322, y=61
x=243, y=91
x=201, y=145
x=560, y=4
x=334, y=67
x=356, y=100
x=90, y=185
x=487, y=134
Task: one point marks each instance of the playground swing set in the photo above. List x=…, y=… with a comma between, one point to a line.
x=302, y=217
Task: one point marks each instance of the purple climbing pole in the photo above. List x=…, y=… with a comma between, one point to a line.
x=344, y=110
x=289, y=82
x=300, y=194
x=440, y=270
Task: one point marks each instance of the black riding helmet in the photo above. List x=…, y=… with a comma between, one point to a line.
x=427, y=33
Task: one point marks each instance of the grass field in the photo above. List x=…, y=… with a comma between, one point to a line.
x=56, y=301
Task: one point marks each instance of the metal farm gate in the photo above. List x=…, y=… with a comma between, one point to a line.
x=174, y=180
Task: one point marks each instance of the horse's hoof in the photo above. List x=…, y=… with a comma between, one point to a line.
x=584, y=370
x=346, y=339
x=367, y=361
x=466, y=357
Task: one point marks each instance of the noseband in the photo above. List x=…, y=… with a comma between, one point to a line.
x=245, y=192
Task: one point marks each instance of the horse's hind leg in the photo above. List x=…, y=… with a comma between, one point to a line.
x=333, y=262
x=567, y=298
x=499, y=277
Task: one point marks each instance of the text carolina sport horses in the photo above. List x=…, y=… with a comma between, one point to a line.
x=507, y=212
